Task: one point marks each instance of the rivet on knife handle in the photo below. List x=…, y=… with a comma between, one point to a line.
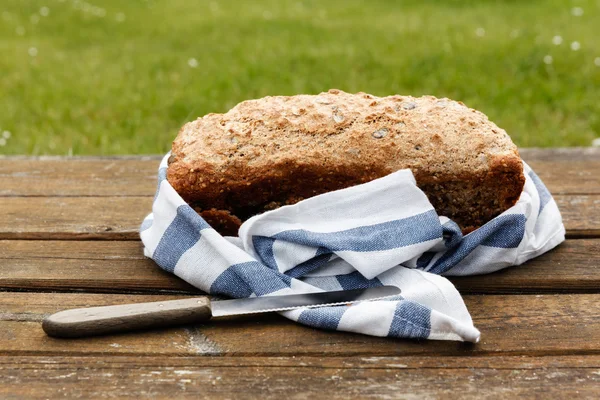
x=126, y=317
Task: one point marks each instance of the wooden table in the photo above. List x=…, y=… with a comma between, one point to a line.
x=68, y=238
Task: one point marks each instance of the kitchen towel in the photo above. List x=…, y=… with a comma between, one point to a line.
x=383, y=232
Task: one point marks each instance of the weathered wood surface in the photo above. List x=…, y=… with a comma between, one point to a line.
x=535, y=323
x=89, y=176
x=120, y=266
x=42, y=377
x=540, y=322
x=108, y=218
x=96, y=265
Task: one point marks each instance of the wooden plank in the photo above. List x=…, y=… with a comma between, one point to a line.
x=572, y=177
x=565, y=171
x=581, y=214
x=119, y=266
x=533, y=325
x=573, y=267
x=86, y=176
x=109, y=218
x=105, y=266
x=301, y=377
x=118, y=218
x=560, y=155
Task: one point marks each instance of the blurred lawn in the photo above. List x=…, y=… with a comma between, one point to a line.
x=114, y=77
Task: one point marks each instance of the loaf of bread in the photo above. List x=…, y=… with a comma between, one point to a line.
x=275, y=151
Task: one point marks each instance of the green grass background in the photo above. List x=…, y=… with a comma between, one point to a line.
x=113, y=76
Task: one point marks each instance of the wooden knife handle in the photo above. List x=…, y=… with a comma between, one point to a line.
x=92, y=321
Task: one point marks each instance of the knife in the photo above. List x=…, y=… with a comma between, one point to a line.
x=81, y=322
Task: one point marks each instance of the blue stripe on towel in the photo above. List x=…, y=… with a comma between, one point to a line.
x=411, y=320
x=355, y=280
x=425, y=259
x=147, y=223
x=505, y=231
x=264, y=247
x=452, y=234
x=384, y=236
x=179, y=237
x=324, y=317
x=543, y=192
x=241, y=280
x=309, y=266
x=162, y=175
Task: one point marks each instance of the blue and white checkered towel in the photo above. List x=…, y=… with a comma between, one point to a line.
x=384, y=232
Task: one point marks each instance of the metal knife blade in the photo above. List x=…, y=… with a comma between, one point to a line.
x=126, y=317
x=289, y=302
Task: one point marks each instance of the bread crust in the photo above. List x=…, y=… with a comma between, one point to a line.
x=278, y=150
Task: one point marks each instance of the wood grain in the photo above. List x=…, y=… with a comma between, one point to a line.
x=89, y=176
x=565, y=171
x=109, y=218
x=104, y=266
x=511, y=325
x=572, y=267
x=560, y=154
x=119, y=218
x=300, y=378
x=119, y=266
x=581, y=214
